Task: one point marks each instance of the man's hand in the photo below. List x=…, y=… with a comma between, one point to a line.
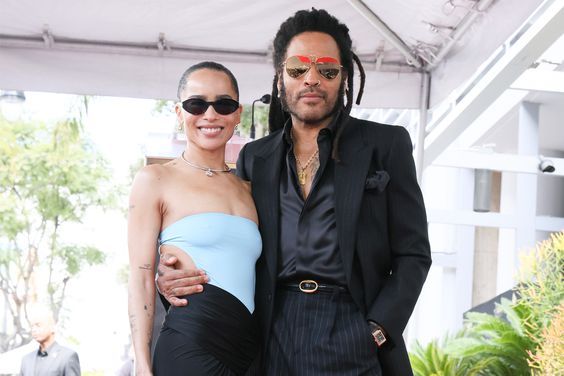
x=173, y=283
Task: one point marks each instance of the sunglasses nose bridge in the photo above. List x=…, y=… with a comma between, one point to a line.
x=210, y=112
x=312, y=76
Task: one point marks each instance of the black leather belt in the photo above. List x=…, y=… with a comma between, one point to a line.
x=309, y=286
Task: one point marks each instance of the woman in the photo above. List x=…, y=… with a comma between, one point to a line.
x=200, y=213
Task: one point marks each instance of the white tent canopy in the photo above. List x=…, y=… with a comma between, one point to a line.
x=139, y=48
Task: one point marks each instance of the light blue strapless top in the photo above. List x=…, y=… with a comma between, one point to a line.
x=225, y=246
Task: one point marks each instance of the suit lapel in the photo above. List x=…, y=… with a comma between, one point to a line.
x=350, y=177
x=266, y=193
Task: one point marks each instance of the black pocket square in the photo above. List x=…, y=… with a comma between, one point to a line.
x=378, y=180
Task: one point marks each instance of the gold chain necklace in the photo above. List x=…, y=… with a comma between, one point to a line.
x=209, y=171
x=302, y=174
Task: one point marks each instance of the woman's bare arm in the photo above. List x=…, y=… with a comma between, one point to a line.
x=144, y=223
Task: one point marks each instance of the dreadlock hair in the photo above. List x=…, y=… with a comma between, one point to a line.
x=320, y=21
x=212, y=65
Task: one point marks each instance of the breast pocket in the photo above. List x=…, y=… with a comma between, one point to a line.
x=377, y=181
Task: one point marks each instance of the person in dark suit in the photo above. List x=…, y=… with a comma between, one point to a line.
x=51, y=358
x=344, y=229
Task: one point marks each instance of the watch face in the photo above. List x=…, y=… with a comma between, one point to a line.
x=379, y=337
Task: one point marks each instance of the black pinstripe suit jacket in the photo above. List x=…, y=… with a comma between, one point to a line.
x=381, y=224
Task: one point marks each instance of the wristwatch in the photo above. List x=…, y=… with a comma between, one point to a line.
x=378, y=334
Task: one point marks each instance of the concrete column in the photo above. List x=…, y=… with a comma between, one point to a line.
x=525, y=199
x=464, y=245
x=485, y=252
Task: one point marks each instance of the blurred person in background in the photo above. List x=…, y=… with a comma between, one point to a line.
x=50, y=358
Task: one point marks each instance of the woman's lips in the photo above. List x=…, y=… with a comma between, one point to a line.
x=210, y=130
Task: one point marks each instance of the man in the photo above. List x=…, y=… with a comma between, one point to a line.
x=345, y=245
x=51, y=358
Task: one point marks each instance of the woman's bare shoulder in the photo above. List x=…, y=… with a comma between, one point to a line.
x=160, y=170
x=152, y=180
x=152, y=173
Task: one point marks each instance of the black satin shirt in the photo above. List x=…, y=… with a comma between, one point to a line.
x=308, y=229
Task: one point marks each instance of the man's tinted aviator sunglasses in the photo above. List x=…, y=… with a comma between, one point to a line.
x=223, y=106
x=327, y=67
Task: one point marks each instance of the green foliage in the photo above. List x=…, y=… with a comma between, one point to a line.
x=76, y=257
x=49, y=177
x=432, y=360
x=261, y=120
x=492, y=345
x=489, y=345
x=163, y=107
x=541, y=295
x=134, y=168
x=525, y=333
x=122, y=275
x=549, y=358
x=541, y=287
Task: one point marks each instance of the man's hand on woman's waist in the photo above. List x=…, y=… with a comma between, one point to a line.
x=173, y=283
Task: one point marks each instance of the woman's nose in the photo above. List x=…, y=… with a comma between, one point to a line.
x=210, y=113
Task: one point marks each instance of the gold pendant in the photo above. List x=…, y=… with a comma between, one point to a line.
x=302, y=175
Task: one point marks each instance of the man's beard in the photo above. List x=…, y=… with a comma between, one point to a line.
x=312, y=121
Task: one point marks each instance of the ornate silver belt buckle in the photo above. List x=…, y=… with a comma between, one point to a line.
x=308, y=289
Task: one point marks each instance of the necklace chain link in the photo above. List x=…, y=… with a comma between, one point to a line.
x=302, y=174
x=208, y=170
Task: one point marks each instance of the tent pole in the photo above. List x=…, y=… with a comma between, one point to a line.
x=424, y=94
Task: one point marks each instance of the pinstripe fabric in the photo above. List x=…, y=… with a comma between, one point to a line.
x=319, y=334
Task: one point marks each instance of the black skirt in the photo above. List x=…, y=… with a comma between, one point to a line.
x=213, y=335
